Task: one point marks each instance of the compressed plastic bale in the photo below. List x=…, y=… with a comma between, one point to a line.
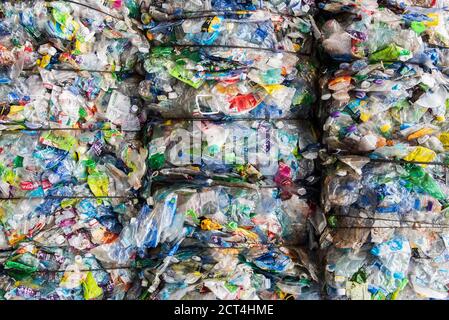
x=65, y=192
x=37, y=39
x=242, y=65
x=25, y=99
x=386, y=110
x=416, y=34
x=70, y=35
x=221, y=216
x=128, y=9
x=428, y=277
x=388, y=97
x=226, y=88
x=384, y=96
x=386, y=188
x=72, y=222
x=261, y=30
x=70, y=99
x=438, y=4
x=389, y=194
x=274, y=153
x=66, y=163
x=408, y=264
x=287, y=7
x=387, y=230
x=44, y=273
x=288, y=92
x=256, y=273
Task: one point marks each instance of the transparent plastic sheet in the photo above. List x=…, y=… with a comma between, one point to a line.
x=252, y=273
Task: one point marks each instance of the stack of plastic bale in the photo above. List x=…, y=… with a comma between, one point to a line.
x=71, y=158
x=230, y=187
x=384, y=101
x=72, y=66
